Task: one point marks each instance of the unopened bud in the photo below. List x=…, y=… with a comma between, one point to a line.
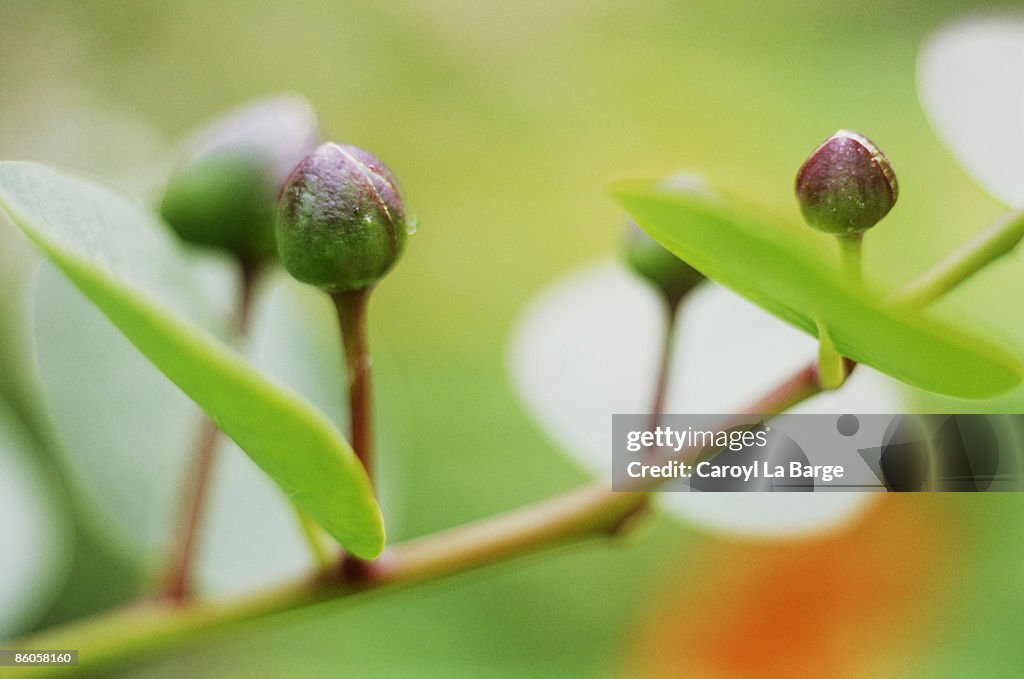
x=224, y=193
x=846, y=186
x=341, y=224
x=671, y=277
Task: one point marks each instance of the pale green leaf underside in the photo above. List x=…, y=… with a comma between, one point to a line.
x=742, y=252
x=125, y=262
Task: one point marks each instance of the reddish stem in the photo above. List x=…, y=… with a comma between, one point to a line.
x=178, y=585
x=801, y=385
x=665, y=364
x=352, y=306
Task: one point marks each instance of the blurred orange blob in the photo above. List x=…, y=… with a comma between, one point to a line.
x=844, y=605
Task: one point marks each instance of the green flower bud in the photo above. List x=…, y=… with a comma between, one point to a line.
x=670, y=276
x=224, y=194
x=340, y=222
x=846, y=186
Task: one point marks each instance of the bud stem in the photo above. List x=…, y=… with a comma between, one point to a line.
x=671, y=307
x=851, y=249
x=352, y=306
x=831, y=364
x=178, y=585
x=993, y=242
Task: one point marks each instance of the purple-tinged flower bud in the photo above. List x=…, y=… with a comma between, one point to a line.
x=671, y=277
x=341, y=224
x=224, y=194
x=846, y=186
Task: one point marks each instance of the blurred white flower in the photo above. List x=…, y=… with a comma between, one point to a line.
x=970, y=82
x=36, y=541
x=588, y=347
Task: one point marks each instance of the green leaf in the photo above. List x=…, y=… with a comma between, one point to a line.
x=123, y=260
x=788, y=278
x=108, y=402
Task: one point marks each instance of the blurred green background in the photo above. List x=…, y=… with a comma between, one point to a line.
x=505, y=122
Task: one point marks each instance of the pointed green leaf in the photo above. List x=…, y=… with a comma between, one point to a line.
x=108, y=402
x=786, y=277
x=141, y=278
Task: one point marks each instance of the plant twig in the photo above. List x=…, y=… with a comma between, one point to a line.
x=799, y=387
x=986, y=246
x=590, y=511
